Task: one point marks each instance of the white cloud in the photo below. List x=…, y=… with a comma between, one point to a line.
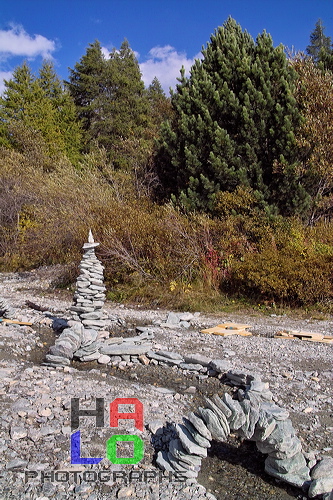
x=4, y=75
x=165, y=63
x=17, y=42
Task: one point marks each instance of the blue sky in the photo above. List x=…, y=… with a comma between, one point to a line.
x=165, y=34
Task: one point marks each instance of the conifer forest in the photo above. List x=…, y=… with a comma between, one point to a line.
x=220, y=194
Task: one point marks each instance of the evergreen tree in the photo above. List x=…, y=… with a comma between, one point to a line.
x=320, y=48
x=64, y=109
x=111, y=100
x=86, y=83
x=41, y=105
x=234, y=122
x=159, y=104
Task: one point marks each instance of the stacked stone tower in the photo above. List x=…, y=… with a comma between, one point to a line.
x=89, y=296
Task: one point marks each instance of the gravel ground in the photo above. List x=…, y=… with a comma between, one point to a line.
x=35, y=400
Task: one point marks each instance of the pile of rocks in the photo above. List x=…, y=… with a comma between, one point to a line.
x=252, y=416
x=89, y=296
x=179, y=320
x=6, y=311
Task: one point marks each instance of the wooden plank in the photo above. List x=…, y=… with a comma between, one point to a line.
x=308, y=336
x=225, y=332
x=15, y=322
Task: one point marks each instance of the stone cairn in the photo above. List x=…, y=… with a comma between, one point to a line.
x=89, y=296
x=6, y=311
x=87, y=313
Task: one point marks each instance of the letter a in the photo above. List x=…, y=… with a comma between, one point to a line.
x=137, y=415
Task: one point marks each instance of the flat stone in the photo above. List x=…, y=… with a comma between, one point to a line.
x=94, y=322
x=170, y=355
x=125, y=348
x=220, y=365
x=181, y=467
x=200, y=359
x=178, y=451
x=163, y=462
x=276, y=411
x=213, y=424
x=238, y=418
x=57, y=360
x=152, y=354
x=200, y=425
x=189, y=443
x=94, y=356
x=287, y=465
x=298, y=479
x=201, y=440
x=223, y=407
x=324, y=468
x=220, y=415
x=191, y=367
x=62, y=350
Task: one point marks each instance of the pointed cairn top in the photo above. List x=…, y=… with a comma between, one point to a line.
x=90, y=237
x=91, y=242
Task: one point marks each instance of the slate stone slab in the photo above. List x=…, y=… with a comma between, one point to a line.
x=213, y=424
x=201, y=440
x=179, y=452
x=200, y=426
x=125, y=348
x=188, y=442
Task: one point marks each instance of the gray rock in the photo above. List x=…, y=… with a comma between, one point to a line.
x=200, y=359
x=62, y=349
x=57, y=360
x=152, y=355
x=276, y=411
x=220, y=415
x=185, y=469
x=125, y=348
x=298, y=479
x=237, y=418
x=163, y=461
x=220, y=365
x=192, y=367
x=178, y=451
x=320, y=486
x=17, y=463
x=104, y=359
x=264, y=426
x=18, y=432
x=170, y=355
x=201, y=440
x=213, y=424
x=189, y=443
x=200, y=426
x=223, y=407
x=324, y=468
x=287, y=465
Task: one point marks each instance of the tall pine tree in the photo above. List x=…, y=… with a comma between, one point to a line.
x=111, y=101
x=320, y=47
x=234, y=123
